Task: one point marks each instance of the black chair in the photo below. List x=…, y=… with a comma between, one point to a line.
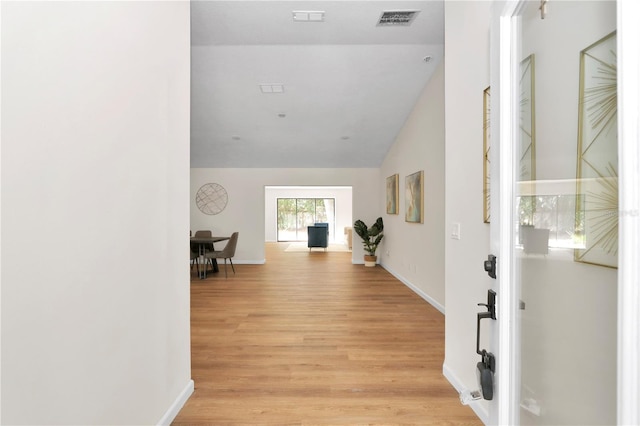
x=318, y=236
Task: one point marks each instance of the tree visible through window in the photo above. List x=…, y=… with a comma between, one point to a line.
x=295, y=214
x=555, y=213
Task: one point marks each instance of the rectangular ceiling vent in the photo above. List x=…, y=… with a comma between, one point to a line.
x=271, y=88
x=397, y=17
x=308, y=15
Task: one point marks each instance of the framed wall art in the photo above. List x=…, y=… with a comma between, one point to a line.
x=414, y=197
x=211, y=198
x=597, y=167
x=486, y=164
x=392, y=194
x=526, y=147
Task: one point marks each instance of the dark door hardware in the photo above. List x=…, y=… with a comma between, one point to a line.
x=485, y=370
x=490, y=266
x=487, y=365
x=490, y=305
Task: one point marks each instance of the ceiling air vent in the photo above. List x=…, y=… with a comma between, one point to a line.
x=397, y=17
x=308, y=15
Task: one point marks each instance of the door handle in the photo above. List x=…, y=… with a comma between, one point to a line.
x=487, y=365
x=491, y=313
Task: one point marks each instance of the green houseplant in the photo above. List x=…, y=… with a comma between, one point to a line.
x=371, y=237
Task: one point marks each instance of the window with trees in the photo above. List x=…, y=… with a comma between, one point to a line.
x=295, y=214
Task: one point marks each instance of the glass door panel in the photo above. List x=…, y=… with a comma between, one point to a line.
x=326, y=212
x=295, y=214
x=286, y=219
x=306, y=216
x=566, y=214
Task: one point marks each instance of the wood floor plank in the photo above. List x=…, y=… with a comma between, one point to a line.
x=310, y=339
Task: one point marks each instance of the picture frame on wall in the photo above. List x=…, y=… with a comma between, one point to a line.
x=414, y=197
x=392, y=194
x=486, y=165
x=597, y=171
x=526, y=147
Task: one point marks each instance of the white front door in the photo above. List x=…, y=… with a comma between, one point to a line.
x=555, y=225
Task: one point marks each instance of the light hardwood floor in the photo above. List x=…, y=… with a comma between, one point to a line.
x=310, y=339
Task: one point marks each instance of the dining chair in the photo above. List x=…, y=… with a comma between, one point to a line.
x=203, y=233
x=207, y=247
x=226, y=253
x=196, y=248
x=194, y=259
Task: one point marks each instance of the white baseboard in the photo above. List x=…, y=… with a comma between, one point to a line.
x=177, y=405
x=477, y=406
x=416, y=290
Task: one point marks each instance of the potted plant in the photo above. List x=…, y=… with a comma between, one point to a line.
x=371, y=237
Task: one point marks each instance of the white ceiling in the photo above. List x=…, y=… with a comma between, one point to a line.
x=349, y=84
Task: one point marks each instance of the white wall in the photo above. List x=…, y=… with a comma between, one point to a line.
x=343, y=210
x=466, y=283
x=95, y=187
x=413, y=252
x=556, y=41
x=245, y=211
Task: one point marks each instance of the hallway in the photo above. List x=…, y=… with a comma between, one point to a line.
x=309, y=338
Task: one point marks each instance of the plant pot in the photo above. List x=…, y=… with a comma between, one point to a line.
x=370, y=260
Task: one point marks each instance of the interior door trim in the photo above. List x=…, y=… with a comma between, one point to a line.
x=507, y=357
x=628, y=383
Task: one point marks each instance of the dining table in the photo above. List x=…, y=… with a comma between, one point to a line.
x=202, y=243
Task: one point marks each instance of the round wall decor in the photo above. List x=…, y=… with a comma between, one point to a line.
x=211, y=198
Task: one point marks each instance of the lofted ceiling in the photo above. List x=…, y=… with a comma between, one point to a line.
x=348, y=85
